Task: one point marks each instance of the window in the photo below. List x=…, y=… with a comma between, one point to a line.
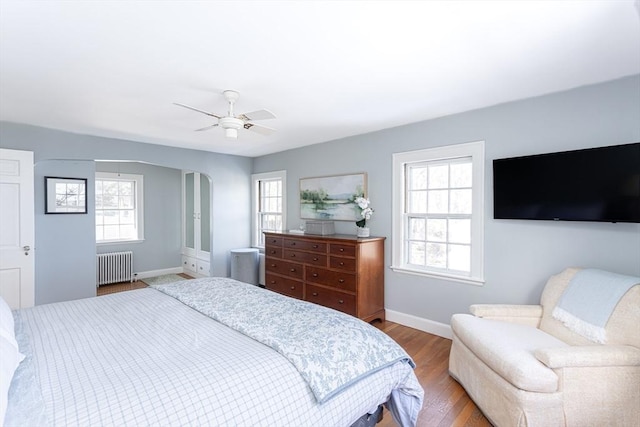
x=438, y=197
x=118, y=207
x=269, y=204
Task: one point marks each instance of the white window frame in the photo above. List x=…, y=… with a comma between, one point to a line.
x=256, y=231
x=138, y=200
x=399, y=231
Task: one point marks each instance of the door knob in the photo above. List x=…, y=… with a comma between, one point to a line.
x=26, y=249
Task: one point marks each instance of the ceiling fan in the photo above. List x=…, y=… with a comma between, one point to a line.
x=231, y=123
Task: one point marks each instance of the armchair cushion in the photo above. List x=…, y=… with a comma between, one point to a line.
x=508, y=349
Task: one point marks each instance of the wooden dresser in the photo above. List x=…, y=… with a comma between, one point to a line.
x=342, y=272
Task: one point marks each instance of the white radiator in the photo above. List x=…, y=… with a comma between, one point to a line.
x=114, y=267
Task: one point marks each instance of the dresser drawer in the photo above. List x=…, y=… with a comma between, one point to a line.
x=336, y=279
x=273, y=251
x=291, y=269
x=340, y=263
x=331, y=298
x=306, y=257
x=305, y=245
x=284, y=285
x=273, y=241
x=342, y=250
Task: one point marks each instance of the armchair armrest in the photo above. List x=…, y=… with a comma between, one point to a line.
x=589, y=355
x=515, y=313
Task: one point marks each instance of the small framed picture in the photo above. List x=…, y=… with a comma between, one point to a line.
x=65, y=195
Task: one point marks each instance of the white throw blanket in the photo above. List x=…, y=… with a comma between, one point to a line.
x=589, y=299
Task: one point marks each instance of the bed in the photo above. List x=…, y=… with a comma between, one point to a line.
x=210, y=351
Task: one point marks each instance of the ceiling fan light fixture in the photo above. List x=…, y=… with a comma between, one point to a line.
x=231, y=133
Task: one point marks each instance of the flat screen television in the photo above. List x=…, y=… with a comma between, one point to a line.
x=596, y=184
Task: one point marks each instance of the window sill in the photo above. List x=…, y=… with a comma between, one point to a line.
x=450, y=277
x=119, y=242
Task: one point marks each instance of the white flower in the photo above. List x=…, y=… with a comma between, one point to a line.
x=362, y=202
x=365, y=211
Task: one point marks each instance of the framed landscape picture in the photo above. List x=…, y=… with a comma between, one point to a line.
x=332, y=197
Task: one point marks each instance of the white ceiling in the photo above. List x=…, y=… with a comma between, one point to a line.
x=327, y=69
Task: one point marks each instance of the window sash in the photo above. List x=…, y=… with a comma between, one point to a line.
x=269, y=204
x=438, y=197
x=117, y=206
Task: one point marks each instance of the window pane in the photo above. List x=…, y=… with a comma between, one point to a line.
x=461, y=201
x=418, y=178
x=125, y=188
x=110, y=188
x=437, y=230
x=438, y=176
x=417, y=228
x=460, y=231
x=437, y=255
x=460, y=257
x=99, y=233
x=418, y=202
x=126, y=202
x=111, y=217
x=111, y=232
x=416, y=253
x=461, y=175
x=127, y=217
x=127, y=232
x=109, y=202
x=438, y=202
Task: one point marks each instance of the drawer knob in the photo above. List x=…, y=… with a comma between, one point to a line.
x=273, y=265
x=340, y=280
x=315, y=274
x=341, y=249
x=273, y=282
x=293, y=255
x=315, y=259
x=293, y=270
x=273, y=252
x=293, y=243
x=342, y=263
x=293, y=288
x=315, y=294
x=341, y=301
x=315, y=246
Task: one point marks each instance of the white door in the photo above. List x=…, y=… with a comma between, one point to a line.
x=16, y=228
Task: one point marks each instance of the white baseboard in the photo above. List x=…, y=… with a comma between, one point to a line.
x=153, y=273
x=436, y=328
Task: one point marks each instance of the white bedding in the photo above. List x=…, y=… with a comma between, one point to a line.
x=144, y=358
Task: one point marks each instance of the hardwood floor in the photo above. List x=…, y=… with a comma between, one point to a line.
x=446, y=404
x=445, y=401
x=127, y=286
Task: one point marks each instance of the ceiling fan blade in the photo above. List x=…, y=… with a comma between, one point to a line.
x=257, y=115
x=263, y=130
x=198, y=110
x=207, y=127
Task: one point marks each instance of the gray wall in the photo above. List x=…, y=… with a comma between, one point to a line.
x=62, y=268
x=519, y=255
x=162, y=209
x=63, y=153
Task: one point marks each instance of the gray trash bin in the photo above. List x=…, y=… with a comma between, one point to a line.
x=244, y=265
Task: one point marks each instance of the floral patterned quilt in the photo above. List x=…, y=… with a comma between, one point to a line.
x=330, y=349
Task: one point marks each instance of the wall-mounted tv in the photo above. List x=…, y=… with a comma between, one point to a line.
x=596, y=184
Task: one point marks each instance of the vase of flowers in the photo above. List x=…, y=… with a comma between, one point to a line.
x=365, y=211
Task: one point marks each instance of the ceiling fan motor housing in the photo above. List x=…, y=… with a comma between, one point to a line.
x=230, y=126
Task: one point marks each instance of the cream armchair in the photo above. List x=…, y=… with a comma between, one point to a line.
x=522, y=367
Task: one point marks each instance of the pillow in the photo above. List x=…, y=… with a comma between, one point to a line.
x=11, y=358
x=6, y=323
